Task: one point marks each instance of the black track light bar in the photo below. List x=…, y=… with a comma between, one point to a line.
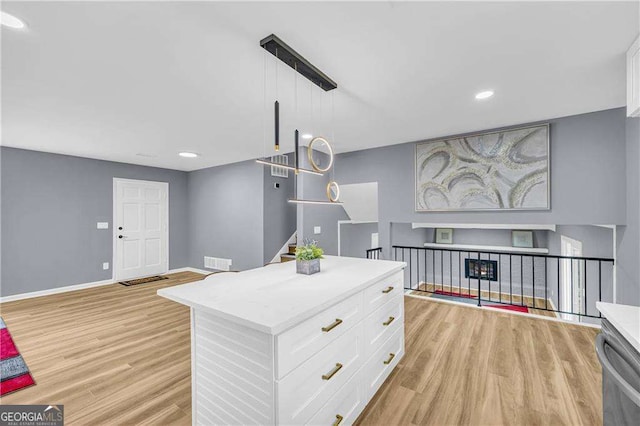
x=286, y=54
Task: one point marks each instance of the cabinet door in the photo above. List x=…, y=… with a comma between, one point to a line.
x=633, y=80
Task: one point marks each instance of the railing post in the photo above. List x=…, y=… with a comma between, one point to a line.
x=479, y=277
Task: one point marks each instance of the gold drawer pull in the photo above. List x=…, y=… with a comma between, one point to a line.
x=338, y=420
x=333, y=325
x=391, y=357
x=388, y=289
x=331, y=373
x=389, y=321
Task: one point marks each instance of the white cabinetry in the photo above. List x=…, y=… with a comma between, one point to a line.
x=633, y=80
x=273, y=347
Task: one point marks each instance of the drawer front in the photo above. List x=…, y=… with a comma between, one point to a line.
x=344, y=407
x=384, y=290
x=382, y=363
x=307, y=388
x=299, y=343
x=381, y=324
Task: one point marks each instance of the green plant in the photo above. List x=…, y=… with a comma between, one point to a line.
x=309, y=251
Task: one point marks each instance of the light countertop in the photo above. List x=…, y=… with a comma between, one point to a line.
x=273, y=298
x=625, y=318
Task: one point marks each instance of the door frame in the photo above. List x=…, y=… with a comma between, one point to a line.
x=569, y=264
x=114, y=216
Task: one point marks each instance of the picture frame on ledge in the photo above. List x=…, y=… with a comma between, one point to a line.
x=444, y=236
x=522, y=239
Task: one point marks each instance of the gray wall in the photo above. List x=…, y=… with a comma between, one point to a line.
x=50, y=206
x=279, y=215
x=628, y=284
x=226, y=214
x=312, y=187
x=587, y=177
x=355, y=238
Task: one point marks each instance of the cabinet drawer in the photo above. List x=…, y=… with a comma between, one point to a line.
x=382, y=363
x=381, y=324
x=299, y=343
x=384, y=290
x=307, y=388
x=344, y=407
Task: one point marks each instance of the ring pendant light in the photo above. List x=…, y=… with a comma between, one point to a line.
x=300, y=65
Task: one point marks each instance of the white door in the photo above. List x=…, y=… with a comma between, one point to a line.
x=572, y=278
x=141, y=228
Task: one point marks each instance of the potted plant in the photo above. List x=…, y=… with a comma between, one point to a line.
x=308, y=257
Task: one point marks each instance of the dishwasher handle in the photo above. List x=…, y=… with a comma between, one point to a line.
x=628, y=390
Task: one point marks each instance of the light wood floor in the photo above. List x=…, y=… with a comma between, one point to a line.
x=120, y=355
x=467, y=366
x=111, y=354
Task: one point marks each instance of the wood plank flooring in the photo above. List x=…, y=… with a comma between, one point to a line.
x=467, y=366
x=121, y=355
x=110, y=354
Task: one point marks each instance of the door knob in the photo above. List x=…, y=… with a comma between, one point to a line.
x=120, y=228
x=120, y=236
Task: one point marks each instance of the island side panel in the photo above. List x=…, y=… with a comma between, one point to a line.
x=232, y=372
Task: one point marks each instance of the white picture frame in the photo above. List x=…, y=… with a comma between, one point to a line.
x=522, y=239
x=444, y=236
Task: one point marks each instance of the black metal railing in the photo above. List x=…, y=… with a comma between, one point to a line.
x=561, y=284
x=374, y=253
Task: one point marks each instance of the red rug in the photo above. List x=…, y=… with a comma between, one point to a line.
x=14, y=373
x=510, y=308
x=454, y=294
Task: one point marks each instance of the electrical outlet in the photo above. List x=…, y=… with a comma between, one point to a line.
x=317, y=230
x=276, y=185
x=105, y=266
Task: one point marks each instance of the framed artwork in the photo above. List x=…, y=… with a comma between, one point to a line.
x=522, y=239
x=444, y=235
x=504, y=170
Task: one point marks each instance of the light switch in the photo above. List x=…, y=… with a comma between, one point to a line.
x=103, y=225
x=105, y=266
x=316, y=230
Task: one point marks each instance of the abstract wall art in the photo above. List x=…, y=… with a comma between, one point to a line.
x=504, y=170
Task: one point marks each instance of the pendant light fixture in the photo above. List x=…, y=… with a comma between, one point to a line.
x=300, y=65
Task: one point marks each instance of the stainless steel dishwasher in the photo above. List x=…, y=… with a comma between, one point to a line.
x=620, y=377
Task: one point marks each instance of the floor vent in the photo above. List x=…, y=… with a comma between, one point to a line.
x=217, y=263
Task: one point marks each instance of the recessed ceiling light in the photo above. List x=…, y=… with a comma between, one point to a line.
x=11, y=21
x=307, y=136
x=188, y=154
x=484, y=95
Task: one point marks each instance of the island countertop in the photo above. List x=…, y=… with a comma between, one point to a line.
x=273, y=298
x=625, y=318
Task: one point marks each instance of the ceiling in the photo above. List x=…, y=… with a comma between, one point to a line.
x=139, y=82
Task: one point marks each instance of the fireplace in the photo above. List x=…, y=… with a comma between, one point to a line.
x=481, y=268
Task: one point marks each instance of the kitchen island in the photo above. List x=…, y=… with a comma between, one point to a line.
x=269, y=346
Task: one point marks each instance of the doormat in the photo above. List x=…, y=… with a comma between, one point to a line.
x=144, y=280
x=14, y=373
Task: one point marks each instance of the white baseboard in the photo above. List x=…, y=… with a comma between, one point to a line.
x=54, y=291
x=190, y=269
x=83, y=286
